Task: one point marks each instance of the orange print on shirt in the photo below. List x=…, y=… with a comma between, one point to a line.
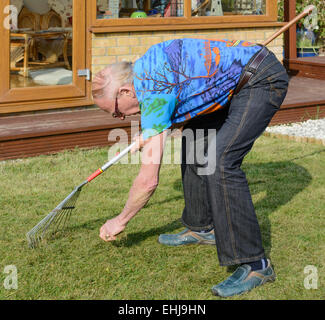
x=213, y=108
x=217, y=53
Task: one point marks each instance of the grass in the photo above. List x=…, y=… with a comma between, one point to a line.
x=287, y=184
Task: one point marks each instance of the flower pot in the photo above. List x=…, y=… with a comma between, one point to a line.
x=307, y=52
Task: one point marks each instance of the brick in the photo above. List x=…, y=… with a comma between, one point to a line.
x=103, y=60
x=208, y=33
x=118, y=51
x=98, y=51
x=118, y=34
x=150, y=40
x=183, y=36
x=131, y=58
x=97, y=68
x=128, y=41
x=163, y=33
x=269, y=33
x=279, y=42
x=141, y=34
x=106, y=42
x=139, y=50
x=203, y=36
x=240, y=36
x=184, y=32
x=276, y=43
x=247, y=29
x=170, y=37
x=277, y=50
x=219, y=35
x=232, y=36
x=251, y=35
x=271, y=44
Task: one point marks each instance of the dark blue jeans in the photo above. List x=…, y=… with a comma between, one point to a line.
x=221, y=198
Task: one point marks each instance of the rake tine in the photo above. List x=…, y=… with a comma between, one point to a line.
x=54, y=219
x=48, y=223
x=66, y=218
x=71, y=207
x=58, y=219
x=61, y=210
x=69, y=214
x=57, y=222
x=36, y=234
x=63, y=218
x=65, y=215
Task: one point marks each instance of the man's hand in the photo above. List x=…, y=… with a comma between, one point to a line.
x=142, y=189
x=139, y=143
x=111, y=229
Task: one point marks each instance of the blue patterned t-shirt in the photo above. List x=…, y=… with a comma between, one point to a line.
x=180, y=79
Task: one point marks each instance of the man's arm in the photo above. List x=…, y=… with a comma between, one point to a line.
x=142, y=189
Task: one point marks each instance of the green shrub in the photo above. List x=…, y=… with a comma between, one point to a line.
x=300, y=5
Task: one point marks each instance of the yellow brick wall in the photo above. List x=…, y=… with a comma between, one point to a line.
x=113, y=47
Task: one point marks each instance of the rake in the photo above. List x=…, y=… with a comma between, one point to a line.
x=58, y=217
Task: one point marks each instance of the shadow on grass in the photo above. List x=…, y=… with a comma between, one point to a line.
x=274, y=184
x=308, y=155
x=134, y=238
x=89, y=225
x=277, y=183
x=164, y=201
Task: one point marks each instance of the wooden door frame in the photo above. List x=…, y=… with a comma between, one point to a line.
x=290, y=36
x=49, y=97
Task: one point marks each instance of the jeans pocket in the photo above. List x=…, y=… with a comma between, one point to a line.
x=278, y=88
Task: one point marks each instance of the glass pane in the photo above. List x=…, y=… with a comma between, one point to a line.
x=40, y=43
x=112, y=9
x=228, y=7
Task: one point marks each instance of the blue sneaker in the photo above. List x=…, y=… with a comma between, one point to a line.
x=243, y=280
x=187, y=237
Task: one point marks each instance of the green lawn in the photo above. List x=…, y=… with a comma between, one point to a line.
x=287, y=181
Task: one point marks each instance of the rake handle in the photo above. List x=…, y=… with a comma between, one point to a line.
x=94, y=175
x=110, y=162
x=306, y=11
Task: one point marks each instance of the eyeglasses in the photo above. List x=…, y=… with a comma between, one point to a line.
x=117, y=113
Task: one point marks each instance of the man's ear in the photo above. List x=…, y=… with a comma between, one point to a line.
x=127, y=90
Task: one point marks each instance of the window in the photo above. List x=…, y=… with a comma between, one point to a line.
x=227, y=7
x=41, y=40
x=133, y=15
x=41, y=51
x=112, y=9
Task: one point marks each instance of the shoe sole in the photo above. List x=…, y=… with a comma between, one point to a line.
x=270, y=278
x=188, y=244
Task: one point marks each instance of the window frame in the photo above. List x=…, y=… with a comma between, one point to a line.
x=25, y=99
x=182, y=23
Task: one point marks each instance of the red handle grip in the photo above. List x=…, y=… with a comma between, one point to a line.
x=94, y=175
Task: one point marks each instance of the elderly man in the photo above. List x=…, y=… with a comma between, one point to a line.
x=229, y=90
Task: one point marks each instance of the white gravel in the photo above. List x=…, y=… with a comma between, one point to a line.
x=310, y=128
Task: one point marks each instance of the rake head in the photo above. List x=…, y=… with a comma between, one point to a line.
x=58, y=217
x=56, y=220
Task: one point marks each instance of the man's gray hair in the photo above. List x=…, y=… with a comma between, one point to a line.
x=110, y=79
